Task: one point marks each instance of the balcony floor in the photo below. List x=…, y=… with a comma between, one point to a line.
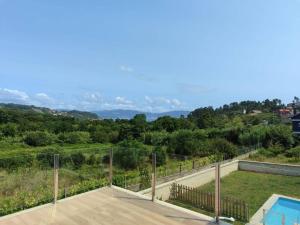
x=104, y=206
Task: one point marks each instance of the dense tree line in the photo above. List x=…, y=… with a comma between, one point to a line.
x=204, y=132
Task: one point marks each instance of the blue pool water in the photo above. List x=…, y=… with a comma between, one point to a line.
x=288, y=208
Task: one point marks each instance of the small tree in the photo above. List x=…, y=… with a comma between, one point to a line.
x=78, y=159
x=161, y=155
x=38, y=138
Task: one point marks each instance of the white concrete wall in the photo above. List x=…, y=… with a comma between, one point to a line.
x=194, y=180
x=272, y=168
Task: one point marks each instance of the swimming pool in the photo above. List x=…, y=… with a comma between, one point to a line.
x=284, y=211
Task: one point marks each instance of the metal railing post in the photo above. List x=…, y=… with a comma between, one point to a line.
x=264, y=214
x=110, y=167
x=55, y=169
x=217, y=193
x=153, y=175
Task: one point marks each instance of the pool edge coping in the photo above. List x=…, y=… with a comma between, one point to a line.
x=257, y=217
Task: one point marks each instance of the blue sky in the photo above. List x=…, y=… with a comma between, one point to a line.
x=156, y=55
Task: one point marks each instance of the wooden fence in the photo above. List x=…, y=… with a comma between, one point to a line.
x=205, y=200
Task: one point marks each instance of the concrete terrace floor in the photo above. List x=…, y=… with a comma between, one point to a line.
x=105, y=206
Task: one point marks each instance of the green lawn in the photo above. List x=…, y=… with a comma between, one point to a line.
x=256, y=188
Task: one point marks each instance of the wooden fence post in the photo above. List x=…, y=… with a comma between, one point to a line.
x=153, y=175
x=217, y=193
x=110, y=167
x=55, y=169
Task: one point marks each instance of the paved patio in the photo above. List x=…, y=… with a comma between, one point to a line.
x=105, y=206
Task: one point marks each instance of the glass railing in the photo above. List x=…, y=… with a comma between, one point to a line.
x=31, y=180
x=80, y=173
x=25, y=181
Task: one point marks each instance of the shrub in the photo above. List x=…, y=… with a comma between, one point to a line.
x=46, y=157
x=293, y=152
x=38, y=138
x=223, y=147
x=75, y=137
x=145, y=178
x=100, y=136
x=161, y=155
x=78, y=159
x=183, y=142
x=91, y=160
x=17, y=161
x=9, y=130
x=279, y=134
x=254, y=136
x=131, y=154
x=156, y=138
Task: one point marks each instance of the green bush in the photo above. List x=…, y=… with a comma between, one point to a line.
x=145, y=178
x=254, y=136
x=75, y=137
x=22, y=160
x=46, y=157
x=78, y=159
x=38, y=138
x=223, y=147
x=182, y=142
x=100, y=136
x=293, y=152
x=91, y=160
x=161, y=155
x=279, y=134
x=9, y=130
x=131, y=154
x=156, y=138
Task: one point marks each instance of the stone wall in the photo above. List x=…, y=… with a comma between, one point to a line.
x=272, y=168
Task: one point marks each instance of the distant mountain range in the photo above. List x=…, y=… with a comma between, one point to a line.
x=104, y=114
x=129, y=114
x=32, y=108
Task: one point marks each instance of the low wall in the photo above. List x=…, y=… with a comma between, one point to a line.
x=272, y=168
x=194, y=180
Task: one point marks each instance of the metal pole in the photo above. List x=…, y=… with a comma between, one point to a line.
x=153, y=175
x=125, y=182
x=110, y=167
x=217, y=193
x=55, y=167
x=264, y=214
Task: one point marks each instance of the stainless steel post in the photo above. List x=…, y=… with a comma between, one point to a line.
x=217, y=193
x=110, y=167
x=153, y=175
x=55, y=167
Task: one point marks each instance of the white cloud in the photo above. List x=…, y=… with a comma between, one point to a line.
x=44, y=97
x=176, y=102
x=123, y=101
x=162, y=104
x=93, y=97
x=126, y=68
x=13, y=96
x=90, y=101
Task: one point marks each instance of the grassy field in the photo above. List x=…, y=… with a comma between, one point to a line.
x=256, y=188
x=253, y=188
